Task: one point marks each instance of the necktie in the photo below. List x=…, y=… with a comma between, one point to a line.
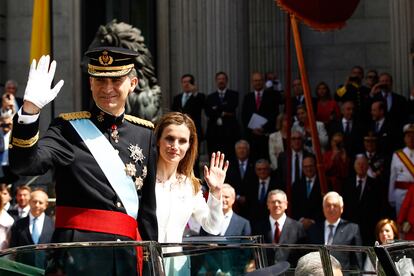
x=297, y=168
x=221, y=96
x=308, y=187
x=185, y=98
x=359, y=188
x=258, y=100
x=347, y=127
x=262, y=192
x=277, y=233
x=242, y=170
x=377, y=127
x=330, y=235
x=35, y=231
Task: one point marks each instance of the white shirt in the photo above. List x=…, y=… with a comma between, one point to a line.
x=39, y=223
x=6, y=222
x=226, y=222
x=327, y=229
x=23, y=212
x=281, y=221
x=379, y=123
x=344, y=121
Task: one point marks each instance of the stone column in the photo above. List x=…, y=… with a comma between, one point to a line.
x=401, y=40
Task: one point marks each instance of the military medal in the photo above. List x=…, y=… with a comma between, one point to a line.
x=136, y=153
x=100, y=117
x=130, y=169
x=114, y=133
x=139, y=182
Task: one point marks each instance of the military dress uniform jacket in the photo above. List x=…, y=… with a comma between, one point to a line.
x=80, y=182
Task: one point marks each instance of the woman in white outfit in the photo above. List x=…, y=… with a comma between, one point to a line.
x=6, y=222
x=178, y=192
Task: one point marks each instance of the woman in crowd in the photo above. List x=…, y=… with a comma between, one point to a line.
x=178, y=191
x=327, y=110
x=336, y=162
x=5, y=195
x=278, y=140
x=6, y=222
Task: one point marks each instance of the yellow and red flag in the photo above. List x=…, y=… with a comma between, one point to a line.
x=40, y=41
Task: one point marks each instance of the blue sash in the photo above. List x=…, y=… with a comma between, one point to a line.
x=110, y=163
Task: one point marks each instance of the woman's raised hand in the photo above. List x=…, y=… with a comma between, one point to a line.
x=216, y=174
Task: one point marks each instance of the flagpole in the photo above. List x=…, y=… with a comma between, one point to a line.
x=309, y=107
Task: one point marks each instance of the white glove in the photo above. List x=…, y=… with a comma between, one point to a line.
x=38, y=90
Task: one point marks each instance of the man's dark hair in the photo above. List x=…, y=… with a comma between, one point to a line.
x=222, y=73
x=188, y=76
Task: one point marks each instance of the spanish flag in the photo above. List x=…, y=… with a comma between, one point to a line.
x=40, y=42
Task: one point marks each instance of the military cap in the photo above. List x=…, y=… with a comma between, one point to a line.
x=408, y=128
x=110, y=61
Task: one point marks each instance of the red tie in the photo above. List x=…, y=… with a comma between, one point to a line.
x=277, y=233
x=258, y=100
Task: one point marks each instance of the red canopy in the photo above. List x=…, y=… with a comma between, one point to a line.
x=322, y=15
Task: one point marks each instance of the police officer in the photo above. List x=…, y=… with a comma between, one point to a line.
x=103, y=160
x=402, y=169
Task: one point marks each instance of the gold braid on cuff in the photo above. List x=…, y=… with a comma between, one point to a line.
x=22, y=143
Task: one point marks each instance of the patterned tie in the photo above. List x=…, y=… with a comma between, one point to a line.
x=35, y=231
x=277, y=233
x=331, y=234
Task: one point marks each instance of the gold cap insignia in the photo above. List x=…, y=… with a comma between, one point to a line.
x=105, y=59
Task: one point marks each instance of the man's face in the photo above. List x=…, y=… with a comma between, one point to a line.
x=228, y=199
x=296, y=141
x=277, y=205
x=348, y=110
x=110, y=94
x=6, y=124
x=221, y=81
x=38, y=203
x=186, y=85
x=357, y=72
x=386, y=83
x=242, y=151
x=309, y=169
x=301, y=114
x=262, y=170
x=22, y=198
x=297, y=87
x=10, y=88
x=370, y=145
x=376, y=112
x=332, y=209
x=361, y=167
x=257, y=82
x=409, y=139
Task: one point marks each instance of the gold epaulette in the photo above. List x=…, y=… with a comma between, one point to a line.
x=138, y=121
x=75, y=115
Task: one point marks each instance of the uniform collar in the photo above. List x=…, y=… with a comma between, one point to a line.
x=105, y=119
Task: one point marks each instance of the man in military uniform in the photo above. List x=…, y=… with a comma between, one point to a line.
x=102, y=159
x=402, y=169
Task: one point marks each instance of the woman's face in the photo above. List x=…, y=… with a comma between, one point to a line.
x=321, y=91
x=174, y=143
x=386, y=233
x=5, y=197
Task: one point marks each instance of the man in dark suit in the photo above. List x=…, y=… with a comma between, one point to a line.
x=36, y=228
x=335, y=230
x=298, y=99
x=306, y=195
x=22, y=208
x=191, y=103
x=363, y=200
x=233, y=224
x=279, y=228
x=222, y=125
x=266, y=104
x=350, y=128
x=256, y=192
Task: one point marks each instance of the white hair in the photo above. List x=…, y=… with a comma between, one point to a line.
x=311, y=265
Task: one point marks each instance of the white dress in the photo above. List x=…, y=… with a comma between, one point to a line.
x=176, y=203
x=6, y=222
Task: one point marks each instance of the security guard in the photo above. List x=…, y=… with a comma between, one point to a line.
x=402, y=169
x=104, y=161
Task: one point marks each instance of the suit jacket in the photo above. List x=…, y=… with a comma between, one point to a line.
x=398, y=111
x=234, y=178
x=20, y=236
x=297, y=102
x=193, y=107
x=292, y=233
x=353, y=141
x=304, y=206
x=282, y=167
x=364, y=211
x=347, y=233
x=222, y=130
x=238, y=226
x=389, y=137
